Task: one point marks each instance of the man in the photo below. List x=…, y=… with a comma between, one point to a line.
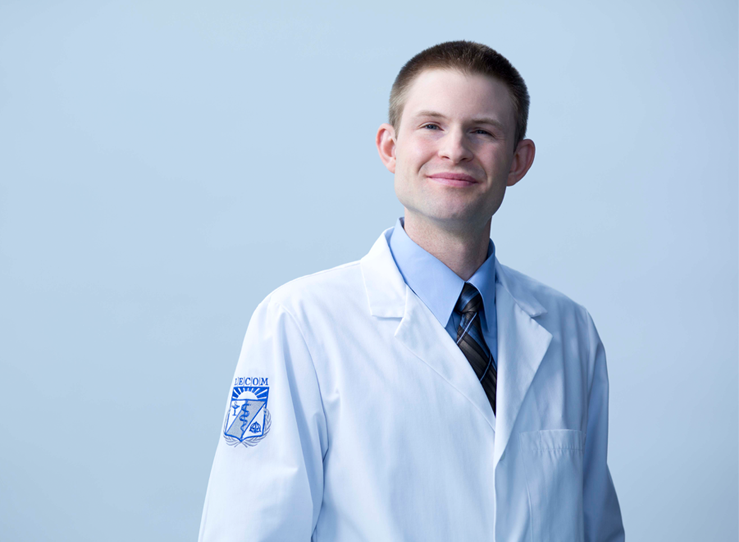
x=425, y=392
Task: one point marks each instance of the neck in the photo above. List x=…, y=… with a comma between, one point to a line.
x=463, y=250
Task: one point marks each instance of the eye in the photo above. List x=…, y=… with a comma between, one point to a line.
x=483, y=132
x=430, y=126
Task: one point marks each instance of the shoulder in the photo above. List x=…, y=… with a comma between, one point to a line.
x=320, y=292
x=569, y=322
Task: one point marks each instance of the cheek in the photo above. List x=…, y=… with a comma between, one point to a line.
x=415, y=155
x=497, y=164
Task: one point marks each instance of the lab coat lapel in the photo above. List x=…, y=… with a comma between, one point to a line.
x=422, y=334
x=522, y=343
x=419, y=331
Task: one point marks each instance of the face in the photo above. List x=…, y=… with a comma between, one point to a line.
x=454, y=153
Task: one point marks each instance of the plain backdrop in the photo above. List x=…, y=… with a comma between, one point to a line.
x=165, y=165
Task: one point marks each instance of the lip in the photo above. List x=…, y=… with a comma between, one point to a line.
x=453, y=179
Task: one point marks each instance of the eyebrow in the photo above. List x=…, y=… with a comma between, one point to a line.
x=481, y=120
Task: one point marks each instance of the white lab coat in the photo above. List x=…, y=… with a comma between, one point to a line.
x=380, y=431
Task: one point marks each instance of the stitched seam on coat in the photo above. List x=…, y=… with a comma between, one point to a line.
x=323, y=408
x=556, y=449
x=313, y=365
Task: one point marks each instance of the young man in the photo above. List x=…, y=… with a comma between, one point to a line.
x=425, y=392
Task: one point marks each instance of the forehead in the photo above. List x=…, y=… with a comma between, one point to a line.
x=459, y=95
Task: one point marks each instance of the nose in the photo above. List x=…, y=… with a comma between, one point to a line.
x=455, y=147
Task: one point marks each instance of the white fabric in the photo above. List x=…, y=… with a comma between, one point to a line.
x=380, y=430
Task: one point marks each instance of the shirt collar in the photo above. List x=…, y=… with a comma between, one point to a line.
x=433, y=282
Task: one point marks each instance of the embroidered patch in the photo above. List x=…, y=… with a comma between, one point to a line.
x=248, y=421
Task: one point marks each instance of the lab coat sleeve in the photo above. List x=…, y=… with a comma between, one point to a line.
x=272, y=490
x=601, y=509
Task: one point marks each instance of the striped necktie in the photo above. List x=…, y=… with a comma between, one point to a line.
x=471, y=341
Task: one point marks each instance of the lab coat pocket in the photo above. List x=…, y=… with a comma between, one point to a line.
x=553, y=466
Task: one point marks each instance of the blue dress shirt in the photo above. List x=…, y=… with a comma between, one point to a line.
x=439, y=287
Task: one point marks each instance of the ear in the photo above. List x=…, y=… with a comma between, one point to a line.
x=385, y=142
x=522, y=160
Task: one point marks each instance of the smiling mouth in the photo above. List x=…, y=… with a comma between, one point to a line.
x=453, y=179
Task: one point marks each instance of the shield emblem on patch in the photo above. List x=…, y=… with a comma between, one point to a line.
x=248, y=419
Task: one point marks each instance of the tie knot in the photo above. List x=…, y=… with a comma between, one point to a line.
x=469, y=300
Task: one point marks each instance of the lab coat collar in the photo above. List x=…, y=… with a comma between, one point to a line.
x=383, y=282
x=385, y=287
x=517, y=289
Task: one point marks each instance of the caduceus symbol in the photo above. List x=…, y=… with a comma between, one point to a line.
x=244, y=416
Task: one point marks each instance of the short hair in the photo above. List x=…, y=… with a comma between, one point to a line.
x=469, y=58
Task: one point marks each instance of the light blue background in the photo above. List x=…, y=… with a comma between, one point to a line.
x=165, y=165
